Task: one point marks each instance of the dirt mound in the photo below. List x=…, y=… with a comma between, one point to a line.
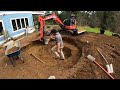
x=109, y=47
x=75, y=66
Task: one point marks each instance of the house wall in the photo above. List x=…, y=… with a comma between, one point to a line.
x=2, y=39
x=8, y=26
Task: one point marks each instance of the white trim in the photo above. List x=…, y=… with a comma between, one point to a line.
x=20, y=23
x=18, y=35
x=39, y=12
x=21, y=12
x=16, y=24
x=24, y=22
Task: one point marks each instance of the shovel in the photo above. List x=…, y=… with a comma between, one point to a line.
x=93, y=60
x=108, y=66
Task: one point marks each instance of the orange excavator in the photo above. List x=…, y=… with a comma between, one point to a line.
x=66, y=25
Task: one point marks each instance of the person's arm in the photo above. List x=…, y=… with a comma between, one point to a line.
x=52, y=37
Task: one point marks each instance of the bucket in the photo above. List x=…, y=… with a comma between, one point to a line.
x=47, y=40
x=10, y=45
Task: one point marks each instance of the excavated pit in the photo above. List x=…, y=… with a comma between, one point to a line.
x=71, y=50
x=33, y=68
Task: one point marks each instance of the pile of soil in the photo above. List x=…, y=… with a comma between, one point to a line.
x=13, y=49
x=75, y=66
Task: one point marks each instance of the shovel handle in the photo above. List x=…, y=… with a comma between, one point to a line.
x=103, y=69
x=102, y=56
x=37, y=58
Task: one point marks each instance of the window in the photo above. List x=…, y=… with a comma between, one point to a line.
x=19, y=23
x=1, y=29
x=26, y=20
x=23, y=23
x=14, y=25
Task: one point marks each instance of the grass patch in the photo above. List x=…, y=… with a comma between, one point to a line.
x=94, y=30
x=108, y=33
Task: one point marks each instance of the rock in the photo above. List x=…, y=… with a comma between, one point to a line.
x=75, y=75
x=51, y=77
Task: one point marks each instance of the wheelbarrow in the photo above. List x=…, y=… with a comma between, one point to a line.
x=13, y=55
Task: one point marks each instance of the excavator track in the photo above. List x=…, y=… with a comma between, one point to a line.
x=66, y=32
x=71, y=33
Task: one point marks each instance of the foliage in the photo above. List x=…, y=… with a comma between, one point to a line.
x=110, y=20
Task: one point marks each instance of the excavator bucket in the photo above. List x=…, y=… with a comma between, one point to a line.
x=80, y=31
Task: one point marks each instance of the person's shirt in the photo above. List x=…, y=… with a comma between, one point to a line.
x=72, y=21
x=58, y=39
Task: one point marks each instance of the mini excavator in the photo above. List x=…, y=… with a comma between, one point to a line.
x=67, y=26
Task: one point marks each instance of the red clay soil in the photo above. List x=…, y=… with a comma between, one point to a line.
x=75, y=66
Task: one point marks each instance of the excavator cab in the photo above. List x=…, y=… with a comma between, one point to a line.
x=71, y=21
x=68, y=22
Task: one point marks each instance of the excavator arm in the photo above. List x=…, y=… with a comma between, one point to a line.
x=54, y=17
x=42, y=20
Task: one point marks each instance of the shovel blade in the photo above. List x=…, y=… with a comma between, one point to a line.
x=108, y=68
x=111, y=68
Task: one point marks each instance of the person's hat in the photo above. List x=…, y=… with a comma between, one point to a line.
x=72, y=15
x=53, y=31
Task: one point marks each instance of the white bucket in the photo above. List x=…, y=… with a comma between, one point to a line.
x=47, y=39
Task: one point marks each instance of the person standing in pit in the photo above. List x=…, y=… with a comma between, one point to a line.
x=58, y=48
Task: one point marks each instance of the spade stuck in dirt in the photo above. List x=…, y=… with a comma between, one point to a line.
x=108, y=66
